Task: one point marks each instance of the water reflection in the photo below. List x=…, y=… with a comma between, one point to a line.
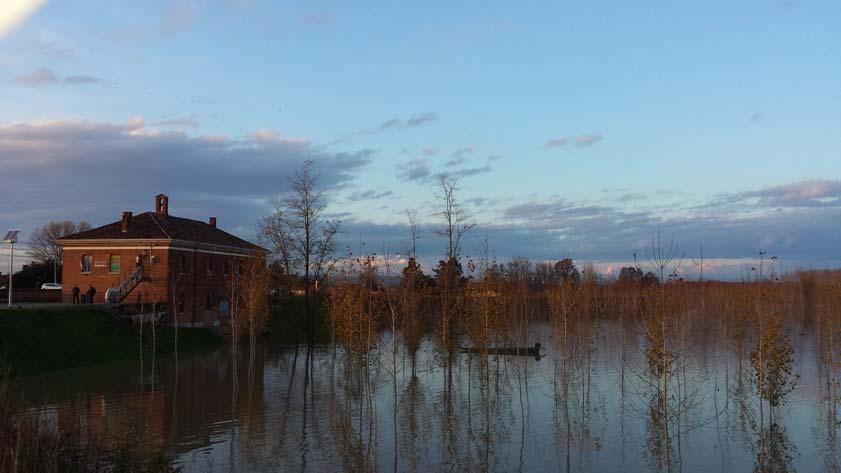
x=592, y=403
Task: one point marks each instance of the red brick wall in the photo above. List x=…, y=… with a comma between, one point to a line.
x=101, y=278
x=195, y=284
x=192, y=286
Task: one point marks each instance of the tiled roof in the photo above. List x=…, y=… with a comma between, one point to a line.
x=159, y=226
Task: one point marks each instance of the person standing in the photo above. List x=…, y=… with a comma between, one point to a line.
x=76, y=292
x=91, y=293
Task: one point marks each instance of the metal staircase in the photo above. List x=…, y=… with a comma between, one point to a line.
x=117, y=294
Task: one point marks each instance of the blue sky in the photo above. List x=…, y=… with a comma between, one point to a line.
x=579, y=128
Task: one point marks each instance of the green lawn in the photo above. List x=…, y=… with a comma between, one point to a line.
x=36, y=340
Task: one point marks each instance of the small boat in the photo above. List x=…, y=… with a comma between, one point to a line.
x=515, y=351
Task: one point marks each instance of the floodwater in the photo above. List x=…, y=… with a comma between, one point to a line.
x=293, y=409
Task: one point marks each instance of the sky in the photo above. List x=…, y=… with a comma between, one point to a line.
x=575, y=129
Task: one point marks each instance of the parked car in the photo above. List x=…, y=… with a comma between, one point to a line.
x=51, y=286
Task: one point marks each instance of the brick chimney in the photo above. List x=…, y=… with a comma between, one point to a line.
x=126, y=223
x=162, y=204
x=212, y=222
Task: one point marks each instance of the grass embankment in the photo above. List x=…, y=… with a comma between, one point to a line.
x=38, y=340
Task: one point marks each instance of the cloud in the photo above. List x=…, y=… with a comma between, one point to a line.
x=266, y=135
x=42, y=42
x=463, y=151
x=460, y=155
x=419, y=119
x=582, y=140
x=457, y=161
x=392, y=123
x=15, y=12
x=631, y=196
x=555, y=142
x=756, y=117
x=414, y=170
x=415, y=120
x=44, y=76
x=370, y=195
x=467, y=172
x=608, y=234
x=801, y=233
x=80, y=79
x=178, y=17
x=419, y=169
x=809, y=193
x=95, y=164
x=37, y=77
x=587, y=139
x=183, y=122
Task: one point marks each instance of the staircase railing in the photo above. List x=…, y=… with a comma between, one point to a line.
x=117, y=294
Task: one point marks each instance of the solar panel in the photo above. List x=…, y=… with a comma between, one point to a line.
x=11, y=236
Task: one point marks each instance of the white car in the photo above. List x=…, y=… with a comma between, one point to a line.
x=51, y=286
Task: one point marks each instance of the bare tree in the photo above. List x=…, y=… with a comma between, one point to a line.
x=414, y=233
x=304, y=234
x=177, y=285
x=662, y=258
x=43, y=244
x=455, y=219
x=275, y=230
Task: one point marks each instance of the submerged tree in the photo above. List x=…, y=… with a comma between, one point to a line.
x=455, y=218
x=566, y=271
x=449, y=271
x=303, y=239
x=772, y=357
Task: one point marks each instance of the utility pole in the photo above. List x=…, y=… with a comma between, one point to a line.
x=11, y=238
x=761, y=263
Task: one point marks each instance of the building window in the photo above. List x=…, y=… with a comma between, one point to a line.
x=86, y=263
x=182, y=264
x=208, y=302
x=223, y=306
x=225, y=267
x=209, y=265
x=179, y=309
x=114, y=263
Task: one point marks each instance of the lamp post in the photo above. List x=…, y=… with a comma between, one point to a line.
x=761, y=263
x=11, y=238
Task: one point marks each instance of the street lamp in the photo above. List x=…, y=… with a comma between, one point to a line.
x=11, y=238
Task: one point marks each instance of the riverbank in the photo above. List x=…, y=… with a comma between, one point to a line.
x=41, y=339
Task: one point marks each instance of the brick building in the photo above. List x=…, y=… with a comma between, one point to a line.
x=155, y=256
